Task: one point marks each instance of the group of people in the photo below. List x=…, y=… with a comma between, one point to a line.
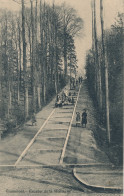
x=74, y=82
x=83, y=120
x=63, y=99
x=63, y=96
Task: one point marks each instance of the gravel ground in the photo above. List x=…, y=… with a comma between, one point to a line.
x=53, y=181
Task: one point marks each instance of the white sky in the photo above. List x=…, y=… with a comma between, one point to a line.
x=111, y=8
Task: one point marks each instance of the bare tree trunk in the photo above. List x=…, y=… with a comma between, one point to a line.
x=43, y=50
x=24, y=63
x=93, y=42
x=92, y=26
x=56, y=89
x=97, y=61
x=106, y=71
x=33, y=66
x=17, y=61
x=18, y=82
x=8, y=71
x=44, y=54
x=2, y=112
x=10, y=99
x=44, y=85
x=100, y=84
x=1, y=91
x=55, y=32
x=96, y=53
x=51, y=54
x=65, y=52
x=37, y=63
x=70, y=74
x=20, y=53
x=41, y=47
x=65, y=60
x=56, y=74
x=39, y=97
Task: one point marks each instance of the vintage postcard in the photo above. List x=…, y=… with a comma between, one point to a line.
x=61, y=97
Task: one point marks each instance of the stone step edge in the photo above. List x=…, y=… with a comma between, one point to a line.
x=100, y=188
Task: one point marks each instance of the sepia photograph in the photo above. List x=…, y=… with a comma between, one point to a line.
x=61, y=97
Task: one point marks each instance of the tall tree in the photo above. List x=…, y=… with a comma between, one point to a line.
x=72, y=25
x=33, y=66
x=36, y=57
x=96, y=51
x=24, y=63
x=106, y=70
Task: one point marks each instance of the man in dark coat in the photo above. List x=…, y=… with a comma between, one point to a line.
x=84, y=118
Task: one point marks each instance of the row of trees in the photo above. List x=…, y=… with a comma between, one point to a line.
x=104, y=68
x=36, y=49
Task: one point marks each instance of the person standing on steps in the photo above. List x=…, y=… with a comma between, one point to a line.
x=77, y=119
x=58, y=97
x=84, y=118
x=66, y=92
x=33, y=119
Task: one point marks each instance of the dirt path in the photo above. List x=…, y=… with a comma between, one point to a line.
x=32, y=176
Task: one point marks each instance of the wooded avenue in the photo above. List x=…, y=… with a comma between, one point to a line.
x=38, y=59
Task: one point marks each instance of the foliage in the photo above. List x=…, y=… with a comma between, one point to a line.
x=114, y=47
x=34, y=45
